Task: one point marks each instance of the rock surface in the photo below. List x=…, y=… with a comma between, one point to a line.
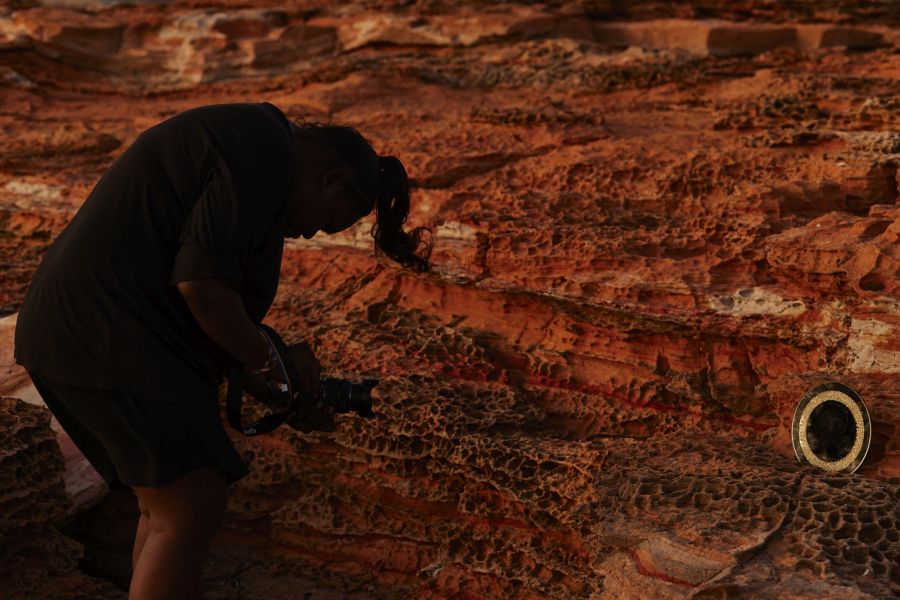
x=83, y=485
x=656, y=227
x=36, y=560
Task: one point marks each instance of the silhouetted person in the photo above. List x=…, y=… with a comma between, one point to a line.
x=161, y=279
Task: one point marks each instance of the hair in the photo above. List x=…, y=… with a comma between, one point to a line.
x=384, y=181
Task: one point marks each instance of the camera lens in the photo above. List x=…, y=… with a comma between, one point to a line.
x=346, y=396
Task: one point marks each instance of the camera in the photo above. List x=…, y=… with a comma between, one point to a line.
x=336, y=396
x=287, y=401
x=345, y=396
x=302, y=412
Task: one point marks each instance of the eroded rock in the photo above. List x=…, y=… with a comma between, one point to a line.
x=656, y=227
x=36, y=560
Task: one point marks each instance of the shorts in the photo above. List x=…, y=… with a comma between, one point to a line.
x=133, y=440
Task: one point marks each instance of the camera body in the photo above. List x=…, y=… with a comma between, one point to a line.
x=288, y=402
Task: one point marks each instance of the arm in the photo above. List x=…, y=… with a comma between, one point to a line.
x=220, y=312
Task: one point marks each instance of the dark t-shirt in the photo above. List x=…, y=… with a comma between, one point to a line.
x=202, y=194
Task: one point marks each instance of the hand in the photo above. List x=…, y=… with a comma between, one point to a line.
x=255, y=385
x=259, y=387
x=274, y=371
x=308, y=367
x=313, y=420
x=276, y=375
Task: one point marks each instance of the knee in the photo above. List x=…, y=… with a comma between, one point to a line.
x=198, y=519
x=192, y=506
x=143, y=508
x=199, y=528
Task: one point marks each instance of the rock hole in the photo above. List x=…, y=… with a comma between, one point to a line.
x=871, y=283
x=831, y=431
x=870, y=534
x=874, y=230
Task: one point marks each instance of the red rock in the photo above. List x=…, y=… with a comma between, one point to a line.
x=35, y=559
x=657, y=226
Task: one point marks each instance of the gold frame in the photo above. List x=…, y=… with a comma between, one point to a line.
x=832, y=392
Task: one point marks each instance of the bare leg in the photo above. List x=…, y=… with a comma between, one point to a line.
x=170, y=567
x=186, y=514
x=140, y=538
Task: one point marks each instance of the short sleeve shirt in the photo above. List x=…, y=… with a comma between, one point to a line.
x=202, y=194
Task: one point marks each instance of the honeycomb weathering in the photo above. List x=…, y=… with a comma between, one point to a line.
x=656, y=228
x=36, y=560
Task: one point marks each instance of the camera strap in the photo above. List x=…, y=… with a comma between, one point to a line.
x=236, y=390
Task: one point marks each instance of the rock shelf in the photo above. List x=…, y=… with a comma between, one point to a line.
x=656, y=228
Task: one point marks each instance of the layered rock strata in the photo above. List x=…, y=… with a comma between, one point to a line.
x=655, y=228
x=36, y=560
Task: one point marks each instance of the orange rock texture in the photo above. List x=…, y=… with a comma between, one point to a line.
x=656, y=226
x=36, y=560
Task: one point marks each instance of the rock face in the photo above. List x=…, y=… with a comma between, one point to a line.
x=84, y=487
x=655, y=228
x=36, y=560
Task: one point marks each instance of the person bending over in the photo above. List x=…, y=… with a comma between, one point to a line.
x=158, y=284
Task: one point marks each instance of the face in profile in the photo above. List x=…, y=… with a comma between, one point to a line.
x=331, y=203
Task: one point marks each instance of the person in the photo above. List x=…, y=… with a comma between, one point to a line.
x=158, y=285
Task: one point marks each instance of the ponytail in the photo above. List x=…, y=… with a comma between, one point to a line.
x=412, y=248
x=380, y=177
